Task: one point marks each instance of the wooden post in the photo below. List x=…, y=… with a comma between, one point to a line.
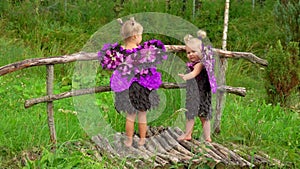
x=50, y=77
x=222, y=75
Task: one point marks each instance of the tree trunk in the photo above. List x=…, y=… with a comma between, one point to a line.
x=222, y=76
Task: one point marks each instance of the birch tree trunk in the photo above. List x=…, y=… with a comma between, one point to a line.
x=222, y=70
x=226, y=18
x=194, y=8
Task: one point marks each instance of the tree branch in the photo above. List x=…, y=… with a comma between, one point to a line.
x=28, y=103
x=223, y=53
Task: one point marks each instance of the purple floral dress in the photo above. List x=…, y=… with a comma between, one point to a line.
x=134, y=79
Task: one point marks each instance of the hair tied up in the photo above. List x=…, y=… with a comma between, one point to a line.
x=187, y=38
x=132, y=20
x=201, y=34
x=120, y=21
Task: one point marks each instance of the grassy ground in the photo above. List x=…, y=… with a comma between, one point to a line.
x=44, y=28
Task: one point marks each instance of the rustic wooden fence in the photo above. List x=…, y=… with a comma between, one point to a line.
x=162, y=148
x=83, y=56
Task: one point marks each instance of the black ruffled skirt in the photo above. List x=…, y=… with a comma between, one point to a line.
x=136, y=98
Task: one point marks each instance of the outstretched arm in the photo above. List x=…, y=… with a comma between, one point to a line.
x=197, y=69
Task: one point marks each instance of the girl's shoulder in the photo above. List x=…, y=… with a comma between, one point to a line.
x=192, y=64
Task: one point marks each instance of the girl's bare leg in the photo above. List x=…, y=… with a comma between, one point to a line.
x=188, y=130
x=206, y=129
x=142, y=120
x=129, y=127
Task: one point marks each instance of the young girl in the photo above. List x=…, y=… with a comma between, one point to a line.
x=135, y=78
x=200, y=82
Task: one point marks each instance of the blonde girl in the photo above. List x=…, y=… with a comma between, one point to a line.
x=134, y=79
x=200, y=82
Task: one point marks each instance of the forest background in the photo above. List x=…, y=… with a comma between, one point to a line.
x=266, y=120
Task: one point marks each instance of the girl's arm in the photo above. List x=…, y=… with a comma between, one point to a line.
x=197, y=69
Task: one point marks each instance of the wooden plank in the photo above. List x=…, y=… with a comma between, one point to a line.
x=103, y=144
x=175, y=145
x=215, y=159
x=154, y=145
x=158, y=162
x=233, y=156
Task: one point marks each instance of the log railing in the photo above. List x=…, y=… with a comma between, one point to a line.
x=83, y=56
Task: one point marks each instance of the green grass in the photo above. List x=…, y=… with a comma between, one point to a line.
x=44, y=28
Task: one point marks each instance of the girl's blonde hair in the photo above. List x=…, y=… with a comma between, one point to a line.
x=130, y=28
x=195, y=43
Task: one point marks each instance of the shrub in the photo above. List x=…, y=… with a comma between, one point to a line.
x=282, y=73
x=288, y=18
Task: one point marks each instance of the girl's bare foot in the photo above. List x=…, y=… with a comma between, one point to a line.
x=184, y=137
x=142, y=141
x=208, y=140
x=128, y=142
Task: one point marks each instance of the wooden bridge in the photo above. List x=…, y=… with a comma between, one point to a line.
x=162, y=150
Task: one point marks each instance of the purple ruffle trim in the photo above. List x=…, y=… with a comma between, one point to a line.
x=120, y=83
x=209, y=64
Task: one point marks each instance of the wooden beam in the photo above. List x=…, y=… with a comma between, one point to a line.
x=244, y=55
x=224, y=54
x=34, y=101
x=83, y=56
x=241, y=91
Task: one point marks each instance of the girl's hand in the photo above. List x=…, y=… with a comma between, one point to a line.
x=197, y=69
x=182, y=76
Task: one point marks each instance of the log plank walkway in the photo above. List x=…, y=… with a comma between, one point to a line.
x=162, y=150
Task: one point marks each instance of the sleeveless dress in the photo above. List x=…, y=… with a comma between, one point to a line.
x=198, y=95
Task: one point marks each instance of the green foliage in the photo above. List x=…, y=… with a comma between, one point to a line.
x=283, y=73
x=259, y=125
x=43, y=28
x=287, y=16
x=71, y=154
